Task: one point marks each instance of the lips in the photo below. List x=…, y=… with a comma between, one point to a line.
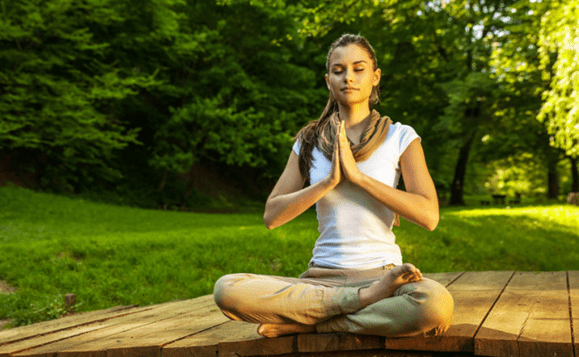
x=347, y=89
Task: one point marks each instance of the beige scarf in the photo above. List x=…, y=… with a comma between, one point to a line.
x=370, y=140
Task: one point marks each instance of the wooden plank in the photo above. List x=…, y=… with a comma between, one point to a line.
x=548, y=329
x=205, y=343
x=531, y=318
x=444, y=278
x=148, y=340
x=258, y=347
x=500, y=331
x=118, y=325
x=474, y=294
x=377, y=353
x=328, y=342
x=232, y=338
x=24, y=332
x=482, y=280
x=538, y=281
x=40, y=340
x=573, y=280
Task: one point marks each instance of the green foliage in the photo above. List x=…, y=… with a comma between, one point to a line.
x=522, y=174
x=468, y=100
x=559, y=52
x=57, y=89
x=92, y=89
x=227, y=97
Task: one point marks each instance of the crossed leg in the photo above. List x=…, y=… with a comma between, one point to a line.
x=398, y=302
x=381, y=289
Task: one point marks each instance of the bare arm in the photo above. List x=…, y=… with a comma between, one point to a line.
x=418, y=204
x=289, y=199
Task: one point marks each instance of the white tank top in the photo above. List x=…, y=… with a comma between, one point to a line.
x=355, y=228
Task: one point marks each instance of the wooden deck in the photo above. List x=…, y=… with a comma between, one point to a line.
x=501, y=313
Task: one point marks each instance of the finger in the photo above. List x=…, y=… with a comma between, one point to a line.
x=342, y=135
x=336, y=156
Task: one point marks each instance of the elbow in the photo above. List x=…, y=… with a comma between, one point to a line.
x=270, y=225
x=268, y=221
x=432, y=222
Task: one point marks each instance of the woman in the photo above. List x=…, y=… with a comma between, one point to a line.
x=356, y=281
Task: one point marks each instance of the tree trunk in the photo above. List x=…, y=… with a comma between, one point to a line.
x=456, y=190
x=553, y=179
x=574, y=175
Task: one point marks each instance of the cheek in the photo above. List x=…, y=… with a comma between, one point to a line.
x=335, y=82
x=368, y=83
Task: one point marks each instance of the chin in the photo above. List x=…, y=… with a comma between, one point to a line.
x=352, y=101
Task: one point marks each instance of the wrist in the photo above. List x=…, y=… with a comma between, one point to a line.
x=358, y=178
x=329, y=182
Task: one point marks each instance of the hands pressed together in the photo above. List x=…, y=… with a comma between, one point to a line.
x=343, y=162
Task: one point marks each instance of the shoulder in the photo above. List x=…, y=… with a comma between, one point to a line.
x=297, y=146
x=399, y=130
x=401, y=135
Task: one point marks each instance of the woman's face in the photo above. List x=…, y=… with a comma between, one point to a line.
x=351, y=75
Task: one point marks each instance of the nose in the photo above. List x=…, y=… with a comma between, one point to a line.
x=348, y=76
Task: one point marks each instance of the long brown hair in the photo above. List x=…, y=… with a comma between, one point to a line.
x=321, y=133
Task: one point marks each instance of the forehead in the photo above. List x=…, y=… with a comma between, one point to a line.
x=349, y=54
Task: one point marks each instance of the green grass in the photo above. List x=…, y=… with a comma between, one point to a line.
x=112, y=255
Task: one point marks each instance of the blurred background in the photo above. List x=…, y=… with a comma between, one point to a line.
x=193, y=104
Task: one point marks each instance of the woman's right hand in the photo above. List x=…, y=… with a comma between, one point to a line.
x=335, y=176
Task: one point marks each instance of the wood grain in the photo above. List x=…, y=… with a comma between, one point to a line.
x=573, y=279
x=147, y=339
x=25, y=332
x=205, y=343
x=337, y=342
x=119, y=325
x=525, y=321
x=258, y=347
x=481, y=280
x=444, y=278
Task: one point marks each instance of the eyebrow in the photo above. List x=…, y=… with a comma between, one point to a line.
x=355, y=63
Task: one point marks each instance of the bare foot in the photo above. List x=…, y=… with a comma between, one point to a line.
x=276, y=330
x=385, y=287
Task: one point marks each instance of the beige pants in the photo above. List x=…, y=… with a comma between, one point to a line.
x=328, y=299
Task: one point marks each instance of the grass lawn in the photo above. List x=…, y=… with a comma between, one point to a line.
x=111, y=255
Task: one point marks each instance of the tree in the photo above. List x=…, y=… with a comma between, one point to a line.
x=516, y=64
x=56, y=91
x=559, y=53
x=243, y=96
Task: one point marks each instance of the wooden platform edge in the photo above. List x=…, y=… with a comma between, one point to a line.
x=18, y=334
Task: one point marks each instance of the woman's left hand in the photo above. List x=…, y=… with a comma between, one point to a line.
x=347, y=161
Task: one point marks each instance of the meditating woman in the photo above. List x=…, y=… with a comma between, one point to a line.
x=356, y=281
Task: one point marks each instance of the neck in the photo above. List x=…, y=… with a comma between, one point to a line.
x=354, y=114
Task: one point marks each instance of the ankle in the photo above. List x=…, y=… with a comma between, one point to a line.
x=365, y=297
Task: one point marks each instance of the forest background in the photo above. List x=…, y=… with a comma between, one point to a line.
x=193, y=104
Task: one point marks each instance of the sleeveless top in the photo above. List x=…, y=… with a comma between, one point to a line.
x=355, y=228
